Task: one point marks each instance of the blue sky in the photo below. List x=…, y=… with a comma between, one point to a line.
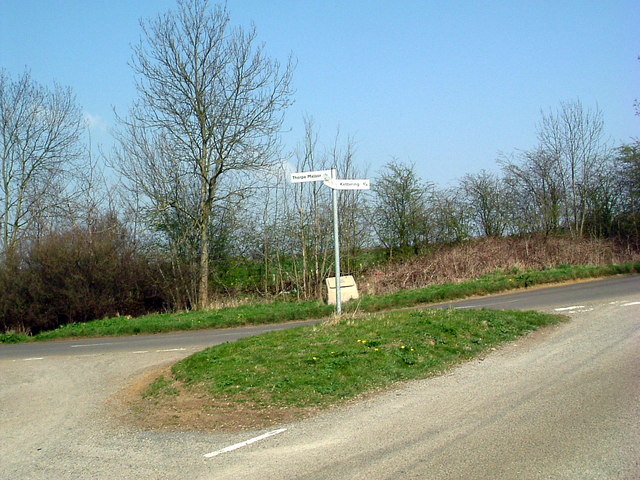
x=447, y=85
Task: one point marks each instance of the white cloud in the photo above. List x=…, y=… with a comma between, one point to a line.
x=96, y=122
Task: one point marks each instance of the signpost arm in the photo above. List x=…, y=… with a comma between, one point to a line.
x=336, y=243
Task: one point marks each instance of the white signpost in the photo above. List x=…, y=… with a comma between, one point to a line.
x=329, y=178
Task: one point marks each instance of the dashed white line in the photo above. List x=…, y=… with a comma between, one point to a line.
x=245, y=443
x=141, y=351
x=564, y=309
x=90, y=345
x=630, y=303
x=32, y=359
x=172, y=350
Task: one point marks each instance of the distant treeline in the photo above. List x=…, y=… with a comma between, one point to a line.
x=78, y=242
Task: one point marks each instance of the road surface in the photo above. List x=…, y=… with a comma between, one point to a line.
x=563, y=403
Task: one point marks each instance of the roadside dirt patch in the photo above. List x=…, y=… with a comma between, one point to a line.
x=191, y=410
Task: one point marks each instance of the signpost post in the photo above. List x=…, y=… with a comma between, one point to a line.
x=331, y=180
x=336, y=241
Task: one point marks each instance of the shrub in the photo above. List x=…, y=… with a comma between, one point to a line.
x=77, y=275
x=481, y=257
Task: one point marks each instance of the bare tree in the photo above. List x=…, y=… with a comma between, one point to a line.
x=400, y=202
x=534, y=192
x=449, y=216
x=311, y=219
x=604, y=201
x=210, y=108
x=572, y=137
x=486, y=202
x=297, y=219
x=553, y=186
x=355, y=223
x=40, y=135
x=628, y=156
x=628, y=166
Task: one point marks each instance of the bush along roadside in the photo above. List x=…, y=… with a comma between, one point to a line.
x=279, y=312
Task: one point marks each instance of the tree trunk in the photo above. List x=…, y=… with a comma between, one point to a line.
x=203, y=284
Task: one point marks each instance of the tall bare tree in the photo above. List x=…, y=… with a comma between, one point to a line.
x=400, y=202
x=573, y=138
x=553, y=186
x=534, y=192
x=486, y=202
x=210, y=106
x=628, y=161
x=40, y=139
x=355, y=212
x=449, y=218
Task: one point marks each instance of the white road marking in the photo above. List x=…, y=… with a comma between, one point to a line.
x=172, y=350
x=32, y=359
x=630, y=303
x=91, y=345
x=564, y=309
x=245, y=443
x=141, y=351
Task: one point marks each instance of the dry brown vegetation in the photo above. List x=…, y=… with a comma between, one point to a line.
x=483, y=256
x=190, y=410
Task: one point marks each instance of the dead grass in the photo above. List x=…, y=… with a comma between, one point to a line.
x=480, y=257
x=190, y=410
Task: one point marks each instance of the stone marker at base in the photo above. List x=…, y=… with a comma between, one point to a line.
x=348, y=289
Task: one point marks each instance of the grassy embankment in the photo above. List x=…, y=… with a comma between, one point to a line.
x=283, y=375
x=276, y=312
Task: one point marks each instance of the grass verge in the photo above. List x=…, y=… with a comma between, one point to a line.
x=317, y=366
x=278, y=312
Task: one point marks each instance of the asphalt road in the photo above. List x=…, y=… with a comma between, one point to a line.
x=563, y=403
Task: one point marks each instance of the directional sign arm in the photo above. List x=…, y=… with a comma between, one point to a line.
x=338, y=184
x=316, y=176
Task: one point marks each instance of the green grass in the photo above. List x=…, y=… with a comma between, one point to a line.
x=327, y=363
x=12, y=337
x=289, y=311
x=254, y=314
x=495, y=282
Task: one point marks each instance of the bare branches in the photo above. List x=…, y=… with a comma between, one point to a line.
x=210, y=107
x=401, y=206
x=557, y=180
x=40, y=141
x=486, y=201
